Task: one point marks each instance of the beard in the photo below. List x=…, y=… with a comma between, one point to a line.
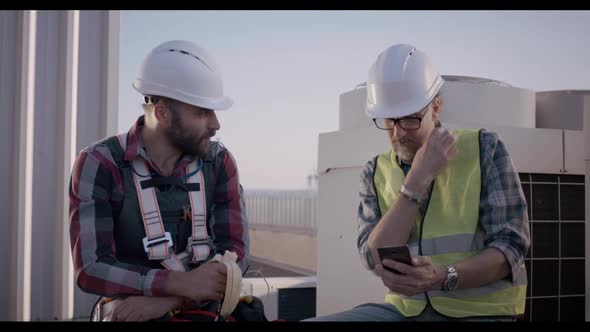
x=189, y=143
x=405, y=149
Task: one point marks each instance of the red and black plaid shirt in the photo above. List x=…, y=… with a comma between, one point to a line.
x=96, y=195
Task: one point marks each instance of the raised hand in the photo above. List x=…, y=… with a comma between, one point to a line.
x=432, y=157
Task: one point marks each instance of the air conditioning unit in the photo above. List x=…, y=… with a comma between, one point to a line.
x=284, y=298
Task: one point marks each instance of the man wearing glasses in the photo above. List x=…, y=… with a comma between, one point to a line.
x=453, y=197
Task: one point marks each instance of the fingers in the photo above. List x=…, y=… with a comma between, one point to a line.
x=388, y=263
x=398, y=283
x=218, y=284
x=452, y=152
x=447, y=139
x=219, y=288
x=421, y=261
x=222, y=270
x=134, y=317
x=220, y=277
x=437, y=130
x=379, y=269
x=440, y=132
x=387, y=278
x=397, y=266
x=410, y=275
x=120, y=313
x=130, y=310
x=211, y=292
x=218, y=267
x=214, y=295
x=207, y=282
x=441, y=138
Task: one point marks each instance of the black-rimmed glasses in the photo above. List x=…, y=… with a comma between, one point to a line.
x=407, y=123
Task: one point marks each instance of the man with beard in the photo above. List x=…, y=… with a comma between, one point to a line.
x=149, y=207
x=453, y=197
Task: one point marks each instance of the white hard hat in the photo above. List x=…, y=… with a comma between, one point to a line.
x=183, y=71
x=401, y=82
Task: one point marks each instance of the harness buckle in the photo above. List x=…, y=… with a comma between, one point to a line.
x=147, y=244
x=191, y=243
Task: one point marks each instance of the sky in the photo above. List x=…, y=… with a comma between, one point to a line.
x=285, y=70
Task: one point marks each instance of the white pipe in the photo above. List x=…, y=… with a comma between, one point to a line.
x=23, y=167
x=63, y=295
x=112, y=72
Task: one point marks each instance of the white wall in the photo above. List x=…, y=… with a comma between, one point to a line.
x=342, y=282
x=473, y=104
x=51, y=110
x=484, y=104
x=8, y=45
x=48, y=108
x=561, y=109
x=352, y=114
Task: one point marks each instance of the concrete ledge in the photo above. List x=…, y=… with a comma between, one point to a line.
x=284, y=229
x=272, y=269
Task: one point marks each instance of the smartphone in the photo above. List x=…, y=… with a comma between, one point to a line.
x=399, y=254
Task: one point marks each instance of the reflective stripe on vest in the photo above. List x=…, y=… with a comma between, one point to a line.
x=451, y=233
x=157, y=241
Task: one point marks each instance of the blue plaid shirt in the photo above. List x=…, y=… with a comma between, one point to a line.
x=503, y=212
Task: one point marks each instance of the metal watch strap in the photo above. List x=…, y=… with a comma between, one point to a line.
x=450, y=284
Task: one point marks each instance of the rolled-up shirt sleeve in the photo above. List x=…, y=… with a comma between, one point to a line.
x=368, y=213
x=503, y=207
x=96, y=267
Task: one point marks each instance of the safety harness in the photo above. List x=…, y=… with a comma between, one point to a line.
x=158, y=243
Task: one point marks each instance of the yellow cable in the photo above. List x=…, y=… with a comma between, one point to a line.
x=233, y=286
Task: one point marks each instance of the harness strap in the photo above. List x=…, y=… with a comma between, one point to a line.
x=158, y=243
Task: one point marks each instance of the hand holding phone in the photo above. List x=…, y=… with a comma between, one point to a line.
x=398, y=253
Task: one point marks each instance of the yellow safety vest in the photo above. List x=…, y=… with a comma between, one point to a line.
x=450, y=233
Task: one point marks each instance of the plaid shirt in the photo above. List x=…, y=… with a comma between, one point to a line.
x=503, y=212
x=96, y=196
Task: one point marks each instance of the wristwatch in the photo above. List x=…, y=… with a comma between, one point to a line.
x=411, y=195
x=452, y=278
